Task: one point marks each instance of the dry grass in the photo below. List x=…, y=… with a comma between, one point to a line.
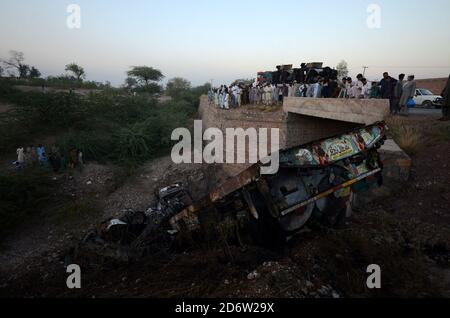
x=441, y=133
x=341, y=257
x=408, y=136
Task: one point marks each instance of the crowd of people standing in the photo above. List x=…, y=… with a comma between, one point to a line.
x=32, y=156
x=399, y=92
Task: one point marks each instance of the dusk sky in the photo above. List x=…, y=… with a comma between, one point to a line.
x=224, y=40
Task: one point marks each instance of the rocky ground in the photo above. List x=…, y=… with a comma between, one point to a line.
x=407, y=233
x=91, y=195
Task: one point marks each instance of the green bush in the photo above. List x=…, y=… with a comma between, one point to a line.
x=119, y=108
x=132, y=145
x=95, y=145
x=58, y=110
x=109, y=125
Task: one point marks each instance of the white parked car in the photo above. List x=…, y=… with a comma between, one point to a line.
x=427, y=99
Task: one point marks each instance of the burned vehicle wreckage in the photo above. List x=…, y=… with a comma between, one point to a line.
x=318, y=180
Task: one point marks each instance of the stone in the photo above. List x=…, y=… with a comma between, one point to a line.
x=253, y=275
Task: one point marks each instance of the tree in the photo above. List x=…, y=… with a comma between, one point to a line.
x=145, y=75
x=147, y=78
x=130, y=83
x=342, y=69
x=77, y=71
x=24, y=70
x=34, y=73
x=15, y=62
x=177, y=86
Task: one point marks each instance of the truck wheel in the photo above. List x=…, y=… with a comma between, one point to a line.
x=332, y=211
x=427, y=104
x=265, y=231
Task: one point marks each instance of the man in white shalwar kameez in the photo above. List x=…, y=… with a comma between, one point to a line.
x=226, y=100
x=20, y=155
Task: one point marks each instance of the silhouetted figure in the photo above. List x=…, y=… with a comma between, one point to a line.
x=446, y=104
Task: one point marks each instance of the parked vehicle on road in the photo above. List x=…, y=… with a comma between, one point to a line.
x=427, y=99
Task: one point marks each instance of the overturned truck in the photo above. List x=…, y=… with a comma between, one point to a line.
x=318, y=180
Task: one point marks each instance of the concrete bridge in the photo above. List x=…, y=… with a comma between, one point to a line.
x=304, y=120
x=357, y=111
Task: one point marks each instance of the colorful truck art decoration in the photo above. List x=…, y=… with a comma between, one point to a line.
x=328, y=151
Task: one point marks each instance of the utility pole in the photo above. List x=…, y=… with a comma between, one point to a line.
x=365, y=68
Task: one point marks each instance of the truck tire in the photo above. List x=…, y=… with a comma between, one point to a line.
x=266, y=231
x=427, y=104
